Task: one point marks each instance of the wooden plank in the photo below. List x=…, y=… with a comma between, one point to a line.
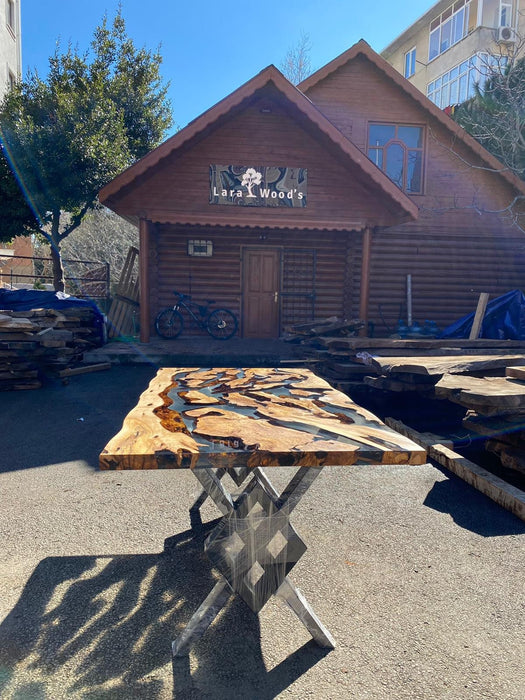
x=479, y=316
x=423, y=344
x=439, y=365
x=388, y=384
x=505, y=495
x=494, y=427
x=511, y=456
x=485, y=395
x=515, y=372
x=84, y=369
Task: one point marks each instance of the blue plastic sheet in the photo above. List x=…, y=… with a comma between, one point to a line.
x=27, y=299
x=504, y=319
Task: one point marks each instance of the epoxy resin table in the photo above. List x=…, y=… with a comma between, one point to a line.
x=235, y=422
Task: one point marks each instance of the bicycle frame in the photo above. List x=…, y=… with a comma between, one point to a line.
x=204, y=310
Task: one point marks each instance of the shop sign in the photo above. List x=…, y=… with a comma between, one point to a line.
x=258, y=186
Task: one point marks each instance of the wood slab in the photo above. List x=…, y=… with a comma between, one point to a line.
x=417, y=344
x=515, y=372
x=439, y=365
x=487, y=395
x=229, y=417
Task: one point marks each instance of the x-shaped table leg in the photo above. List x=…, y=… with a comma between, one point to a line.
x=254, y=547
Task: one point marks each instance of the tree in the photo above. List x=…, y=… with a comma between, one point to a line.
x=103, y=236
x=495, y=116
x=296, y=64
x=16, y=216
x=70, y=134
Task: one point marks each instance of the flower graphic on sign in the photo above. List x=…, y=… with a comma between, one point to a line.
x=251, y=178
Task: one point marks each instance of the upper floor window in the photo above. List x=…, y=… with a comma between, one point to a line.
x=505, y=14
x=398, y=151
x=449, y=28
x=11, y=16
x=410, y=62
x=458, y=84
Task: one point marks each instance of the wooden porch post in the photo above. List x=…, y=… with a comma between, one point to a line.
x=365, y=278
x=144, y=234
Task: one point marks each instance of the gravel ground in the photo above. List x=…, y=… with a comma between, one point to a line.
x=418, y=577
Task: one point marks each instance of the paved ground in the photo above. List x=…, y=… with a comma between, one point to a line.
x=418, y=577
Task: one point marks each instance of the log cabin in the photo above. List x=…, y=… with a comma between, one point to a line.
x=288, y=203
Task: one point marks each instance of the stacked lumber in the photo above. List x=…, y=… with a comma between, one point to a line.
x=345, y=361
x=43, y=342
x=305, y=332
x=422, y=373
x=496, y=412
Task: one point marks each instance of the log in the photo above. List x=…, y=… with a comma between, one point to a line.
x=505, y=495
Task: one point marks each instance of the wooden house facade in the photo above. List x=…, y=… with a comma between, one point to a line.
x=290, y=203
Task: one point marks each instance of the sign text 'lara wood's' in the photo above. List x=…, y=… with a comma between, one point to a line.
x=258, y=186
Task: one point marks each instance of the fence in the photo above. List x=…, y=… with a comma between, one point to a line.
x=83, y=278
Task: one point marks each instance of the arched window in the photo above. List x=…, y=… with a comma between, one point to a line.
x=398, y=151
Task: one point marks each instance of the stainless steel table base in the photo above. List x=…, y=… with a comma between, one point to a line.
x=254, y=547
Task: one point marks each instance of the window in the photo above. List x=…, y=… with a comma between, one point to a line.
x=505, y=14
x=458, y=84
x=11, y=14
x=410, y=63
x=398, y=151
x=449, y=28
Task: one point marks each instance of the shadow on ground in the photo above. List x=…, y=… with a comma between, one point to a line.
x=63, y=423
x=101, y=628
x=471, y=509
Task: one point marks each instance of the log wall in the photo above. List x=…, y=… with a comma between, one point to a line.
x=219, y=277
x=456, y=249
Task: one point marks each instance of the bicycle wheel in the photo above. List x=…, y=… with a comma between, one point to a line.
x=169, y=323
x=221, y=324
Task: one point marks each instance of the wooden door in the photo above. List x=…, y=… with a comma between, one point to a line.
x=261, y=269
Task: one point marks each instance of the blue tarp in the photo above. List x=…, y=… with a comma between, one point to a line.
x=27, y=299
x=504, y=319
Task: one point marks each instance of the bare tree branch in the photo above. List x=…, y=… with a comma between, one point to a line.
x=296, y=64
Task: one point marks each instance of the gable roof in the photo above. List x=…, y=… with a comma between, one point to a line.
x=270, y=77
x=362, y=48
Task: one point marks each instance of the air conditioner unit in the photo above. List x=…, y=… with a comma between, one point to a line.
x=506, y=35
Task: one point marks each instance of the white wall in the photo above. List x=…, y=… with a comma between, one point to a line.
x=10, y=45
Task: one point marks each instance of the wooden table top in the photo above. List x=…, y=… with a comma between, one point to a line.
x=191, y=417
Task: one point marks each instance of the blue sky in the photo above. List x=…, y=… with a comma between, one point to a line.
x=210, y=48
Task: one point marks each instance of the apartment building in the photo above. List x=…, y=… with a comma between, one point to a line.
x=10, y=44
x=455, y=44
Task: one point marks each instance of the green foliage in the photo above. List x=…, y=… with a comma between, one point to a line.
x=93, y=115
x=495, y=116
x=16, y=216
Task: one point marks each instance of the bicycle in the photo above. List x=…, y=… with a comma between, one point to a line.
x=220, y=323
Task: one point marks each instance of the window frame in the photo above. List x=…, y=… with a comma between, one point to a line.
x=508, y=8
x=397, y=140
x=410, y=61
x=474, y=69
x=443, y=29
x=11, y=15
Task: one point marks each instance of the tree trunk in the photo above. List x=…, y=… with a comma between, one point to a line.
x=56, y=257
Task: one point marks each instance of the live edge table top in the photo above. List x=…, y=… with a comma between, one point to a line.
x=229, y=418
